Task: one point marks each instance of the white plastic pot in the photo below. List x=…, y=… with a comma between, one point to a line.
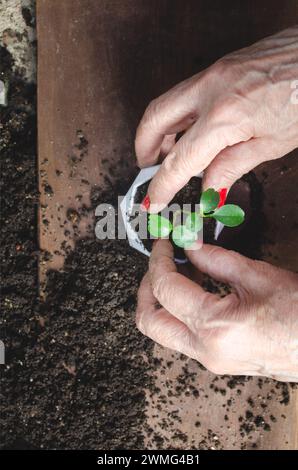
x=127, y=204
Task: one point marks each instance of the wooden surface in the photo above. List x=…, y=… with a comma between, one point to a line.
x=224, y=413
x=99, y=63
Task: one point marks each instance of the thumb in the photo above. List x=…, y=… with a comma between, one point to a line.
x=233, y=162
x=224, y=265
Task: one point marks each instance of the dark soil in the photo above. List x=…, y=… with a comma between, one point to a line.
x=82, y=379
x=75, y=369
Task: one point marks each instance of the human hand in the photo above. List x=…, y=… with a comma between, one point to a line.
x=238, y=113
x=251, y=331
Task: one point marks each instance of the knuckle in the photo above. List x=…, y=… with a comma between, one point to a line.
x=160, y=286
x=139, y=322
x=152, y=110
x=216, y=71
x=229, y=121
x=228, y=109
x=157, y=287
x=264, y=274
x=224, y=67
x=203, y=321
x=179, y=163
x=172, y=166
x=223, y=111
x=231, y=262
x=187, y=162
x=222, y=258
x=229, y=173
x=262, y=267
x=248, y=267
x=219, y=67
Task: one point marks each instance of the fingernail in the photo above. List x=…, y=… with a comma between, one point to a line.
x=222, y=196
x=145, y=204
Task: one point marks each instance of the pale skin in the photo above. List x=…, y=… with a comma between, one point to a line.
x=240, y=112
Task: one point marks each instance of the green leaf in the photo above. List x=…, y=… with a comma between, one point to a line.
x=159, y=226
x=194, y=222
x=209, y=200
x=183, y=237
x=229, y=215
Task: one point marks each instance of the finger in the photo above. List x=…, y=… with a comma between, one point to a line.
x=160, y=325
x=223, y=265
x=233, y=162
x=182, y=297
x=167, y=144
x=171, y=113
x=191, y=155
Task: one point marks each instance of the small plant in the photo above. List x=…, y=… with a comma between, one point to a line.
x=184, y=235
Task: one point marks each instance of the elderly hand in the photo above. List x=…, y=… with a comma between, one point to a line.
x=251, y=331
x=238, y=113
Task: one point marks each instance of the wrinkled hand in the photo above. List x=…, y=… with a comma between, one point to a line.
x=238, y=113
x=251, y=331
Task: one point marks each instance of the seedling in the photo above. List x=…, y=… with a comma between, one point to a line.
x=184, y=235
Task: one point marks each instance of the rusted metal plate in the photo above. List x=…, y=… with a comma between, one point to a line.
x=99, y=63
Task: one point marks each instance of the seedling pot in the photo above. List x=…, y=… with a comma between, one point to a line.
x=127, y=211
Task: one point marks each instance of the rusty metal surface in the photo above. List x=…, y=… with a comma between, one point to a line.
x=99, y=63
